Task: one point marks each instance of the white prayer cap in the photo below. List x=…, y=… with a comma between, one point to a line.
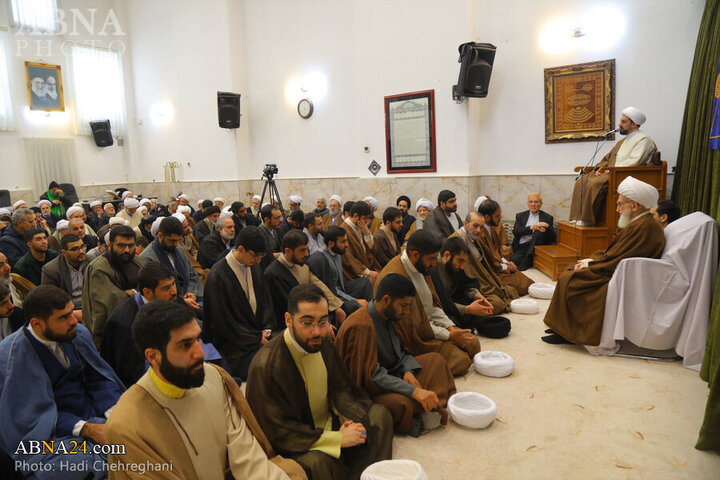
x=107, y=238
x=184, y=209
x=118, y=221
x=296, y=198
x=143, y=208
x=479, y=202
x=73, y=210
x=423, y=202
x=156, y=226
x=218, y=199
x=266, y=203
x=95, y=203
x=227, y=208
x=62, y=225
x=126, y=193
x=337, y=198
x=108, y=205
x=76, y=204
x=635, y=115
x=179, y=216
x=256, y=197
x=131, y=203
x=199, y=202
x=146, y=201
x=372, y=201
x=18, y=203
x=184, y=196
x=638, y=191
x=4, y=211
x=45, y=202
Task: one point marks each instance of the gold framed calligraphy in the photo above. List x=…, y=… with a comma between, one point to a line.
x=579, y=101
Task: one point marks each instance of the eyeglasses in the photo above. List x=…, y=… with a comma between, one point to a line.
x=321, y=324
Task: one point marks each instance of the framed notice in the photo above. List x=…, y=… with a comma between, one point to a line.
x=579, y=101
x=44, y=86
x=410, y=132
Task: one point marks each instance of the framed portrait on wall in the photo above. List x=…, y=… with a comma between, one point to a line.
x=410, y=132
x=579, y=101
x=44, y=85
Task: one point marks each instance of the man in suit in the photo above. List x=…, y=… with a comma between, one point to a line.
x=241, y=217
x=532, y=227
x=443, y=219
x=216, y=245
x=67, y=270
x=270, y=229
x=206, y=226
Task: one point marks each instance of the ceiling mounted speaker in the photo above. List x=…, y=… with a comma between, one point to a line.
x=228, y=109
x=101, y=133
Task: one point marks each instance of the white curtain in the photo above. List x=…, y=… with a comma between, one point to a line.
x=7, y=121
x=98, y=85
x=36, y=15
x=50, y=159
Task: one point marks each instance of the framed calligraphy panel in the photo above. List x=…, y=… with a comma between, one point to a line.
x=410, y=132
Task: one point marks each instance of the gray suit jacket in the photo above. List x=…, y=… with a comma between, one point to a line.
x=56, y=272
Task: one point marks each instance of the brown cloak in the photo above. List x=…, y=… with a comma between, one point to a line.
x=591, y=190
x=491, y=246
x=358, y=256
x=577, y=308
x=416, y=335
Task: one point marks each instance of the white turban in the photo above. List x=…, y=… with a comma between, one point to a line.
x=640, y=192
x=337, y=198
x=4, y=211
x=108, y=205
x=635, y=115
x=266, y=203
x=296, y=198
x=95, y=203
x=179, y=216
x=62, y=225
x=199, y=202
x=131, y=203
x=156, y=226
x=126, y=193
x=73, y=210
x=143, y=207
x=107, y=238
x=479, y=202
x=184, y=209
x=218, y=199
x=372, y=201
x=45, y=202
x=423, y=202
x=227, y=208
x=146, y=201
x=118, y=221
x=18, y=203
x=256, y=197
x=184, y=196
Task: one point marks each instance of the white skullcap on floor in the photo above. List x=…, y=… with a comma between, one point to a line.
x=131, y=203
x=218, y=199
x=635, y=115
x=62, y=225
x=296, y=198
x=73, y=210
x=46, y=202
x=423, y=202
x=156, y=226
x=95, y=203
x=372, y=201
x=126, y=193
x=256, y=197
x=479, y=202
x=179, y=216
x=638, y=191
x=184, y=209
x=118, y=221
x=337, y=198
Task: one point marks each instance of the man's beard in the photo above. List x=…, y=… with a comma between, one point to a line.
x=167, y=248
x=391, y=314
x=226, y=237
x=337, y=251
x=449, y=268
x=5, y=281
x=305, y=343
x=420, y=267
x=624, y=220
x=492, y=222
x=52, y=94
x=121, y=259
x=334, y=212
x=298, y=261
x=183, y=377
x=450, y=210
x=473, y=236
x=622, y=131
x=39, y=93
x=60, y=338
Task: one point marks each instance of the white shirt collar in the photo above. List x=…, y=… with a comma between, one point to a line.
x=48, y=343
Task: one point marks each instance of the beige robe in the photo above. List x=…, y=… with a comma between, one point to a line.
x=490, y=243
x=359, y=258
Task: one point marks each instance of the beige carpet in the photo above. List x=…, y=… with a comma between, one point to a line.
x=564, y=414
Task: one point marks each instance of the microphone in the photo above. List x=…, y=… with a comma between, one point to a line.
x=610, y=132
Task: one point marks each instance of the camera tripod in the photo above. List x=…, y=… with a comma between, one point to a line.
x=273, y=193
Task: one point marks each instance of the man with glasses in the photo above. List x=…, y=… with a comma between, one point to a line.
x=66, y=271
x=306, y=402
x=238, y=312
x=109, y=280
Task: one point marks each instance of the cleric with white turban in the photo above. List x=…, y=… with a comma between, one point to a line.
x=295, y=201
x=633, y=190
x=131, y=212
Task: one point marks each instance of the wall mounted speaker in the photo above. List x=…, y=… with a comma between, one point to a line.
x=101, y=133
x=476, y=63
x=228, y=109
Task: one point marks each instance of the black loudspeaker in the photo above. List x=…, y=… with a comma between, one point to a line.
x=228, y=110
x=101, y=133
x=476, y=62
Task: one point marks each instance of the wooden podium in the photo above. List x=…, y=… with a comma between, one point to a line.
x=575, y=243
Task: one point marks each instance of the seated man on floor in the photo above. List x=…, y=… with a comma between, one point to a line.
x=31, y=264
x=307, y=404
x=313, y=228
x=590, y=190
x=54, y=386
x=359, y=259
x=460, y=294
x=478, y=268
x=207, y=225
x=201, y=424
x=11, y=317
x=427, y=328
x=492, y=249
x=77, y=226
x=12, y=241
x=414, y=389
x=387, y=237
x=238, y=312
x=66, y=271
x=327, y=265
x=532, y=227
x=443, y=219
x=665, y=212
x=577, y=308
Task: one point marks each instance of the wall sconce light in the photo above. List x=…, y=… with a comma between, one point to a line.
x=162, y=113
x=313, y=86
